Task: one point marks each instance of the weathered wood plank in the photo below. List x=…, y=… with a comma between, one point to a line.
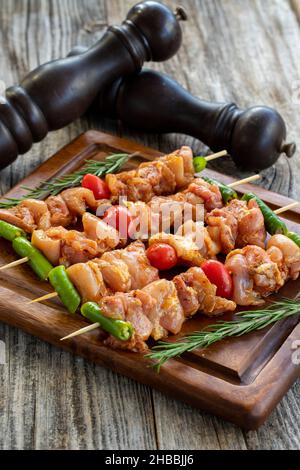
x=241, y=50
x=49, y=399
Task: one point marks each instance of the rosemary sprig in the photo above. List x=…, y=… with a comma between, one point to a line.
x=111, y=164
x=249, y=321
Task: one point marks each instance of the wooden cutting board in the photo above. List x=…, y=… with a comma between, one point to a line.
x=241, y=379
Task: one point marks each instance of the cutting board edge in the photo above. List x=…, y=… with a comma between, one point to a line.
x=252, y=412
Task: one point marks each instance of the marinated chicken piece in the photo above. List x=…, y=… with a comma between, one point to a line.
x=265, y=272
x=127, y=184
x=200, y=236
x=59, y=212
x=223, y=229
x=20, y=217
x=251, y=224
x=243, y=285
x=187, y=251
x=197, y=293
x=145, y=221
x=39, y=212
x=140, y=269
x=88, y=280
x=107, y=237
x=29, y=215
x=127, y=268
x=237, y=225
x=168, y=308
x=180, y=163
x=115, y=272
x=188, y=203
x=74, y=246
x=187, y=296
x=289, y=264
x=158, y=177
x=127, y=307
x=255, y=275
x=78, y=200
x=209, y=193
x=135, y=344
x=152, y=312
x=191, y=198
x=51, y=247
x=161, y=214
x=174, y=213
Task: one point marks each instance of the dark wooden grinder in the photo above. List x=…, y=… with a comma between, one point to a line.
x=153, y=102
x=57, y=93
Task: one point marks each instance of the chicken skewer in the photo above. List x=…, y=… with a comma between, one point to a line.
x=235, y=226
x=117, y=271
x=172, y=320
x=256, y=274
x=25, y=259
x=161, y=307
x=190, y=251
x=161, y=176
x=52, y=247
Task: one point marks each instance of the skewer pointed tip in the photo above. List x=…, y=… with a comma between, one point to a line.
x=249, y=179
x=14, y=263
x=214, y=156
x=288, y=207
x=86, y=329
x=51, y=295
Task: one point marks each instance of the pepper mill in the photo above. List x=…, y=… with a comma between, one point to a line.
x=58, y=92
x=153, y=102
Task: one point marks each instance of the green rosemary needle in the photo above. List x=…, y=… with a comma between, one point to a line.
x=111, y=164
x=248, y=321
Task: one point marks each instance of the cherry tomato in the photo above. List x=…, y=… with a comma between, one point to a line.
x=219, y=275
x=162, y=256
x=120, y=218
x=97, y=185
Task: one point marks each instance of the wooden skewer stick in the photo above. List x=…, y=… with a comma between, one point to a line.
x=51, y=295
x=286, y=208
x=86, y=329
x=214, y=156
x=249, y=179
x=14, y=263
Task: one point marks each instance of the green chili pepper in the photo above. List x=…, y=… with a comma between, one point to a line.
x=273, y=223
x=227, y=193
x=122, y=330
x=10, y=232
x=294, y=236
x=65, y=289
x=199, y=164
x=39, y=264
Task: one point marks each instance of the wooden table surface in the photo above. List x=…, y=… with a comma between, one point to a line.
x=247, y=51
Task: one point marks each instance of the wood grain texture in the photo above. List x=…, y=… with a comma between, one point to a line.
x=50, y=399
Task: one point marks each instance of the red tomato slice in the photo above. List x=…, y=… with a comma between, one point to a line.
x=120, y=218
x=219, y=275
x=97, y=185
x=162, y=256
